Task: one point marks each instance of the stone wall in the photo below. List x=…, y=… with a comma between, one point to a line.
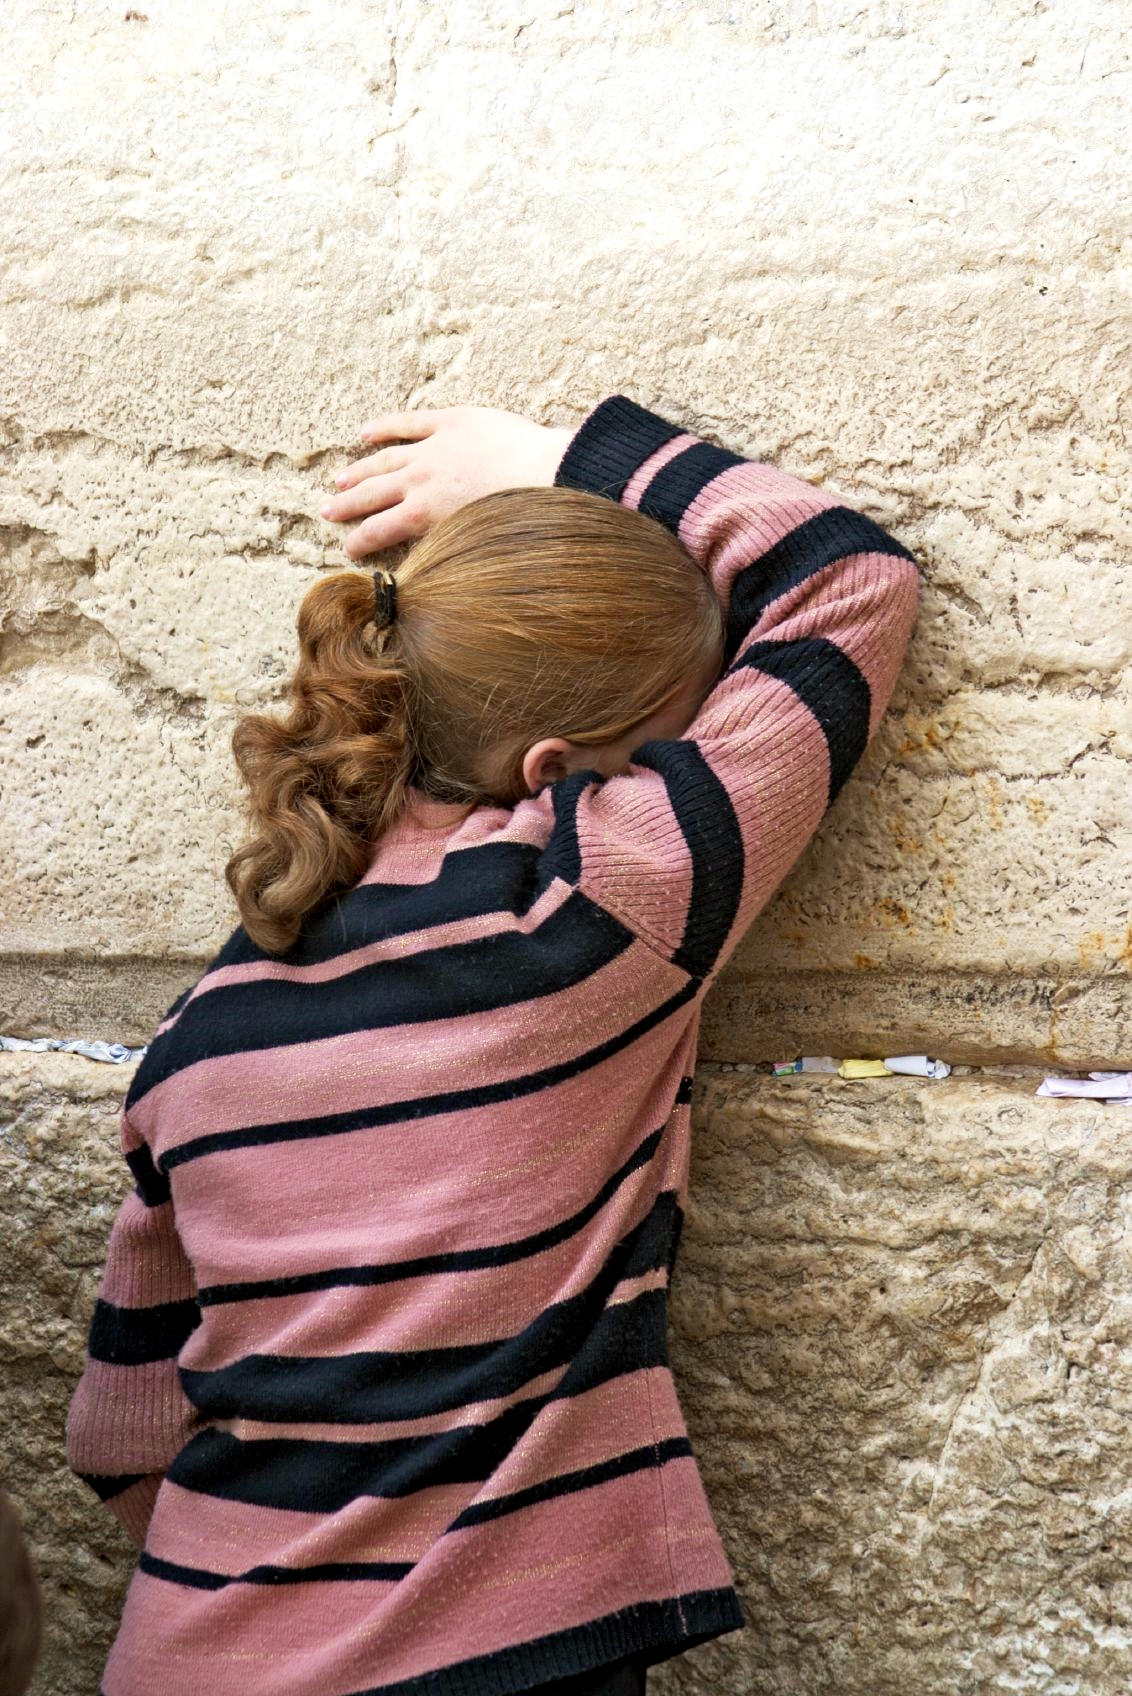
x=886, y=246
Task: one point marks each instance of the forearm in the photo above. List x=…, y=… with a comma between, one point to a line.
x=820, y=604
x=793, y=568
x=129, y=1416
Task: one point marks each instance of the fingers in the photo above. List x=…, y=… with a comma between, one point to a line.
x=402, y=426
x=384, y=530
x=373, y=495
x=375, y=465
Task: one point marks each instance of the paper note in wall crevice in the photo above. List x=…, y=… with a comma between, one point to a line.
x=114, y=1053
x=906, y=1065
x=855, y=1069
x=1098, y=1086
x=823, y=1063
x=917, y=1066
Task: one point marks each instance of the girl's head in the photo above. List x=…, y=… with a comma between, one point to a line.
x=537, y=632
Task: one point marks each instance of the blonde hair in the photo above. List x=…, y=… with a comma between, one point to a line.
x=527, y=614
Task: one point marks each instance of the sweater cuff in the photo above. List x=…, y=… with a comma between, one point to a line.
x=616, y=438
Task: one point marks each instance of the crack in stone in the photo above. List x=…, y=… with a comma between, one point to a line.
x=990, y=1340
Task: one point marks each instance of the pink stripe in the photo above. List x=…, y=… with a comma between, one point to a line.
x=392, y=948
x=877, y=651
x=329, y=1327
x=644, y=474
x=437, y=1310
x=562, y=1563
x=411, y=850
x=630, y=1288
x=127, y=1418
x=471, y=1413
x=402, y=1062
x=206, y=1531
x=742, y=514
x=635, y=855
x=156, y=1269
x=393, y=1192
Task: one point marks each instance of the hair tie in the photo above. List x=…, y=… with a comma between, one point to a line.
x=384, y=599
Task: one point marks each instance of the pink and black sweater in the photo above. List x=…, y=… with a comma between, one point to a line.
x=378, y=1368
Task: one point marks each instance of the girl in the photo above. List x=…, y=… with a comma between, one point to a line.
x=377, y=1374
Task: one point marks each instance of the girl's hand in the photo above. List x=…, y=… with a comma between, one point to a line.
x=443, y=459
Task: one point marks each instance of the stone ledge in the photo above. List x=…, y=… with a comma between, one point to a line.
x=973, y=1018
x=900, y=1323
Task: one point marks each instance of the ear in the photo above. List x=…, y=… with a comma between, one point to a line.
x=546, y=762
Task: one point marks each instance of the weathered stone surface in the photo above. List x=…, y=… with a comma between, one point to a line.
x=61, y=1180
x=901, y=1327
x=886, y=245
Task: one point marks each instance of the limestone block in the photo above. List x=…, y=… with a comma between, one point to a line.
x=900, y=1325
x=885, y=246
x=901, y=1322
x=61, y=1180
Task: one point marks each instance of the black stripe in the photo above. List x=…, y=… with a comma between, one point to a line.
x=823, y=677
x=138, y=1085
x=175, y=1006
x=107, y=1485
x=653, y=1630
x=684, y=1093
x=426, y=1106
x=614, y=441
x=653, y=1455
x=562, y=856
x=710, y=828
x=413, y=1383
x=134, y=1336
x=320, y=1477
x=199, y=1578
x=677, y=484
x=493, y=877
x=153, y=1185
x=827, y=536
x=464, y=978
x=427, y=1265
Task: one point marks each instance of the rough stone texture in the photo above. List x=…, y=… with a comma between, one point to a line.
x=902, y=1328
x=61, y=1180
x=886, y=245
x=902, y=1318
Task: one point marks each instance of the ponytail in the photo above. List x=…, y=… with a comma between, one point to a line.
x=325, y=781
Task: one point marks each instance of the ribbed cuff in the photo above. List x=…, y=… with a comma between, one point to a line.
x=616, y=438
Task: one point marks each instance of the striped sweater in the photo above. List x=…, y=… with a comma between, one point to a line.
x=377, y=1372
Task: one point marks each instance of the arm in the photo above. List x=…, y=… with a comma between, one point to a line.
x=129, y=1416
x=819, y=603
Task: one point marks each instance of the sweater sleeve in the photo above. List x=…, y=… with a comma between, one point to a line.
x=819, y=603
x=129, y=1416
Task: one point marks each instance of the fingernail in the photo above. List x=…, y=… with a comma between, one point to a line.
x=341, y=479
x=327, y=511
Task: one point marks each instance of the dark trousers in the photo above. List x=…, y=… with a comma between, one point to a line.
x=624, y=1678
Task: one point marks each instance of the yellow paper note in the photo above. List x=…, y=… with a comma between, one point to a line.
x=863, y=1069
